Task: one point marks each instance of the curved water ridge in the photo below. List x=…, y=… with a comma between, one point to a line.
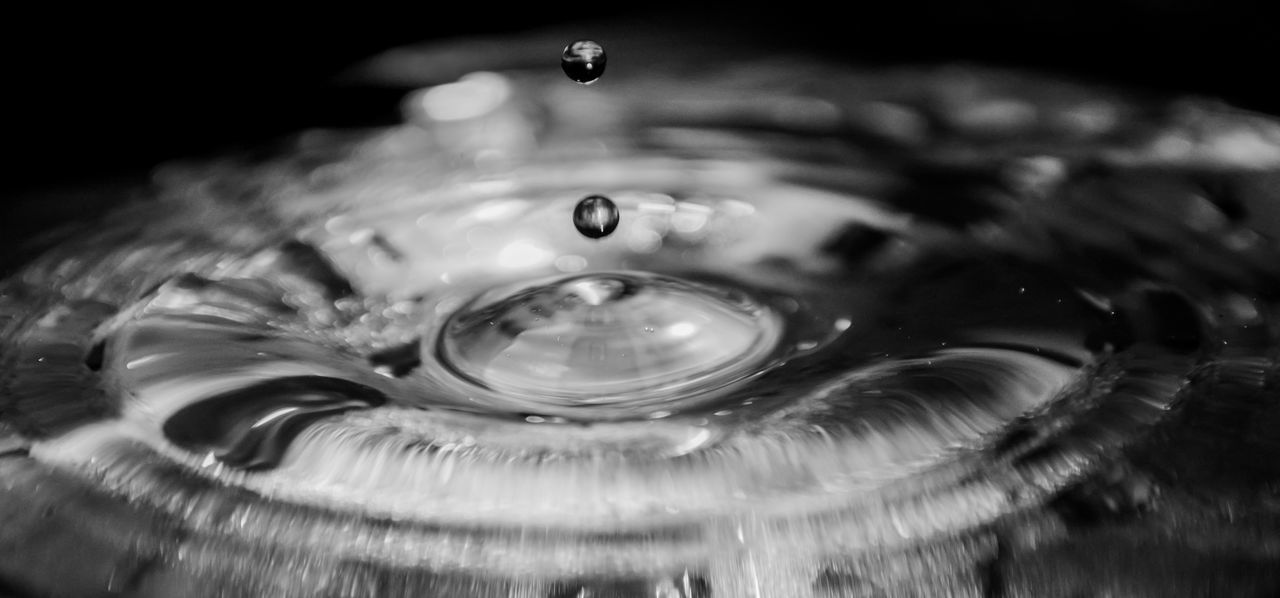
x=927, y=318
x=579, y=345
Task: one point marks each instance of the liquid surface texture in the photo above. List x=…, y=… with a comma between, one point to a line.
x=844, y=332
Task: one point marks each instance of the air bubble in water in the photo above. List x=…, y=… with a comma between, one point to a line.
x=596, y=216
x=583, y=61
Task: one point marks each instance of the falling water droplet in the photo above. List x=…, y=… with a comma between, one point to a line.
x=596, y=216
x=583, y=61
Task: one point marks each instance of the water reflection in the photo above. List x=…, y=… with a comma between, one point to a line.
x=899, y=332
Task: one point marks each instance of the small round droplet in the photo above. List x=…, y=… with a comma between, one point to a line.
x=583, y=61
x=595, y=216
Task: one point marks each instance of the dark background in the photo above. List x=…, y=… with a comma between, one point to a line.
x=100, y=93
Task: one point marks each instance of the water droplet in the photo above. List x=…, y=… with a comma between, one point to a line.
x=596, y=216
x=583, y=61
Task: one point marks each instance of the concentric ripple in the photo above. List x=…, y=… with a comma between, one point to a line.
x=581, y=344
x=896, y=333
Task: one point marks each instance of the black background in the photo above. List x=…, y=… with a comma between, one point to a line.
x=98, y=93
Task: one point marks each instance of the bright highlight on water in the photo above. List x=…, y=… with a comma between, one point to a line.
x=914, y=333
